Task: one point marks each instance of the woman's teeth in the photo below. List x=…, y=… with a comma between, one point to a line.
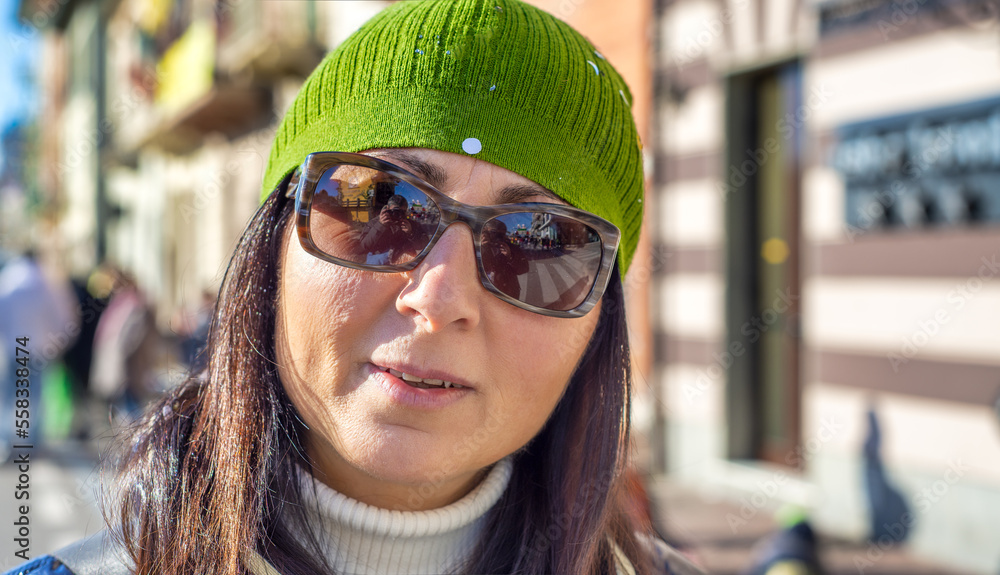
x=420, y=382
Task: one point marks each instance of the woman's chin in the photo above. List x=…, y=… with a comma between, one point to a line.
x=416, y=472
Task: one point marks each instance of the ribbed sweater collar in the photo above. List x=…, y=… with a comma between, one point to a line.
x=361, y=539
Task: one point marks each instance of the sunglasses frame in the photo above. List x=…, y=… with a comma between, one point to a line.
x=302, y=186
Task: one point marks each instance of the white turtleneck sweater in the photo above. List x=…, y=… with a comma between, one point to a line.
x=359, y=539
x=362, y=539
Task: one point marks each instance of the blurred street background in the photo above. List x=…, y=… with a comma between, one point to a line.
x=815, y=304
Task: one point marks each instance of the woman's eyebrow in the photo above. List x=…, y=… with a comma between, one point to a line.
x=517, y=193
x=430, y=173
x=436, y=176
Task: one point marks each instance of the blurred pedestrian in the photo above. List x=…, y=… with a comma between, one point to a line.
x=39, y=310
x=91, y=300
x=792, y=551
x=888, y=513
x=125, y=350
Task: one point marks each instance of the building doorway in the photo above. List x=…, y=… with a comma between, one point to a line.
x=764, y=123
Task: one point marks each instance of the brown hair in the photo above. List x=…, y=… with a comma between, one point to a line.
x=212, y=468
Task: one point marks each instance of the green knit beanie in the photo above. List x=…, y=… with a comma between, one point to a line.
x=497, y=80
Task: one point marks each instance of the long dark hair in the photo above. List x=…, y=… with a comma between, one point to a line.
x=211, y=470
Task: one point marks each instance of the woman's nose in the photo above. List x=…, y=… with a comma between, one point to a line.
x=444, y=289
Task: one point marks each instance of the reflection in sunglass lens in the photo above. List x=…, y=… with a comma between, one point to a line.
x=545, y=260
x=369, y=217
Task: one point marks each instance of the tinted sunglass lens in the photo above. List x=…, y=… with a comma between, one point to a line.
x=366, y=216
x=545, y=260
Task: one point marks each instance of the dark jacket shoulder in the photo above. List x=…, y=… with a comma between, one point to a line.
x=94, y=555
x=44, y=565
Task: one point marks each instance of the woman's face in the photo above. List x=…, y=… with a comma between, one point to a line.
x=345, y=336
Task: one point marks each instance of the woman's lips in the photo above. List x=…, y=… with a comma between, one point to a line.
x=423, y=376
x=416, y=391
x=420, y=382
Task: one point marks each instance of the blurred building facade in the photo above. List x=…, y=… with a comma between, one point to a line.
x=157, y=119
x=827, y=191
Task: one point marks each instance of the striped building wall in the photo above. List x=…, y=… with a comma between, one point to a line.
x=906, y=320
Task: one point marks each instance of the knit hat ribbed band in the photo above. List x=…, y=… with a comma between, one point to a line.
x=498, y=80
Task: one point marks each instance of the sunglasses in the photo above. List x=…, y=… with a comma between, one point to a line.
x=368, y=214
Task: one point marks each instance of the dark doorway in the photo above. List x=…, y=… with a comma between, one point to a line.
x=765, y=122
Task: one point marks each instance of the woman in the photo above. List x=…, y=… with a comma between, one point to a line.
x=404, y=402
